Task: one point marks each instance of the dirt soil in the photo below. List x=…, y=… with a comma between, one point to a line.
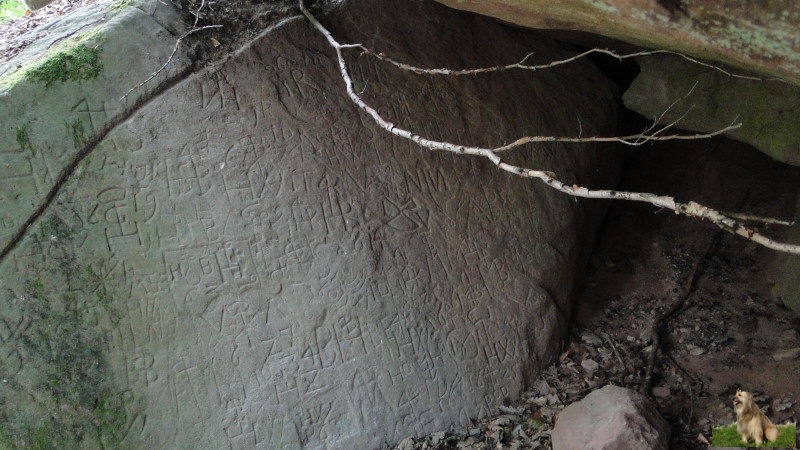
x=726, y=334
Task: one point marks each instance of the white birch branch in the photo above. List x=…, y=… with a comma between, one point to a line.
x=691, y=208
x=522, y=66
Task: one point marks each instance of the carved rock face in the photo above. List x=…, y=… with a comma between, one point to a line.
x=248, y=261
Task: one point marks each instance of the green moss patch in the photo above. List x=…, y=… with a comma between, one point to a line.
x=62, y=394
x=53, y=228
x=71, y=377
x=118, y=5
x=77, y=63
x=24, y=139
x=74, y=59
x=78, y=132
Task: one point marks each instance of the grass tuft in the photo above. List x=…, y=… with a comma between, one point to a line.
x=78, y=132
x=729, y=437
x=24, y=139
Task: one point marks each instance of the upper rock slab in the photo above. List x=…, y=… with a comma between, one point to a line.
x=762, y=37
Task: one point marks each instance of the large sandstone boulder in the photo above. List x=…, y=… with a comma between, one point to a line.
x=247, y=261
x=611, y=418
x=763, y=37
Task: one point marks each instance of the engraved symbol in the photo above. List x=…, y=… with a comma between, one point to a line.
x=123, y=214
x=96, y=117
x=11, y=361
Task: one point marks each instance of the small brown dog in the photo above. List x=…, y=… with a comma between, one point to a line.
x=751, y=422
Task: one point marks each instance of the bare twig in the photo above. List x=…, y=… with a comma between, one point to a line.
x=649, y=134
x=691, y=208
x=75, y=31
x=169, y=60
x=752, y=218
x=613, y=347
x=689, y=387
x=197, y=14
x=660, y=320
x=522, y=66
x=632, y=139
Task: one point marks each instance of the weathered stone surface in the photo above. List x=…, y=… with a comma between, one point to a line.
x=249, y=262
x=672, y=88
x=611, y=418
x=760, y=36
x=45, y=127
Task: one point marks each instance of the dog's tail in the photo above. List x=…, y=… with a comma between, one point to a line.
x=771, y=432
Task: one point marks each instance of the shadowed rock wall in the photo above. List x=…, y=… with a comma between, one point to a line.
x=248, y=261
x=672, y=89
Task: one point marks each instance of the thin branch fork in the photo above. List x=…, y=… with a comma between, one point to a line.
x=523, y=66
x=660, y=320
x=691, y=209
x=174, y=50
